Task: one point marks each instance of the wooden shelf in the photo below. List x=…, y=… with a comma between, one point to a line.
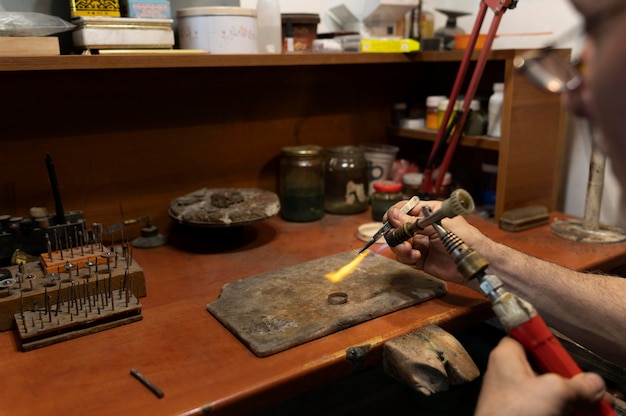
x=130, y=133
x=479, y=142
x=194, y=60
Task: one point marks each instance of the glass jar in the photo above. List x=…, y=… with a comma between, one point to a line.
x=301, y=183
x=412, y=182
x=345, y=180
x=386, y=193
x=476, y=122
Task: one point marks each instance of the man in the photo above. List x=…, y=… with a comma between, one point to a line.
x=589, y=308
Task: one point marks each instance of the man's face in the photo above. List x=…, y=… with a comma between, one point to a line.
x=604, y=74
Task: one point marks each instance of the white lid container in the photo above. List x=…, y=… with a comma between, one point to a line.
x=434, y=100
x=229, y=30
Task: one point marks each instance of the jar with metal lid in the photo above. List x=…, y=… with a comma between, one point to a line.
x=386, y=193
x=412, y=182
x=301, y=183
x=345, y=180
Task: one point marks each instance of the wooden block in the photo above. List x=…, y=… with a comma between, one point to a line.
x=29, y=46
x=57, y=260
x=73, y=318
x=429, y=360
x=32, y=289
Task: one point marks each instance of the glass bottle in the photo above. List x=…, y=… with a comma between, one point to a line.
x=301, y=183
x=386, y=193
x=412, y=182
x=345, y=180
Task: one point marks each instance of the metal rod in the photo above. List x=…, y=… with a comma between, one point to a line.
x=154, y=389
x=60, y=213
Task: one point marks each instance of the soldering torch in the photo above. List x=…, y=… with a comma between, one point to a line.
x=518, y=317
x=459, y=203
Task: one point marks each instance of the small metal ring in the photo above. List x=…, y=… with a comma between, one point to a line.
x=338, y=298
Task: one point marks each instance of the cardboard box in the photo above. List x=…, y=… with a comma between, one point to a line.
x=123, y=33
x=80, y=8
x=29, y=46
x=146, y=9
x=389, y=45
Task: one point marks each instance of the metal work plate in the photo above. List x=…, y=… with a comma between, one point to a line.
x=235, y=207
x=277, y=310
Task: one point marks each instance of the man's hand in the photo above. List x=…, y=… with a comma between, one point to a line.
x=510, y=387
x=425, y=250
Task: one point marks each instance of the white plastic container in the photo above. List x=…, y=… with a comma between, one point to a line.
x=494, y=111
x=269, y=28
x=228, y=30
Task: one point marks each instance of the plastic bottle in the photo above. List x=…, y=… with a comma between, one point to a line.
x=269, y=26
x=494, y=112
x=427, y=25
x=488, y=180
x=441, y=111
x=432, y=111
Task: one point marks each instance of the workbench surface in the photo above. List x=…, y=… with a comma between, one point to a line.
x=197, y=363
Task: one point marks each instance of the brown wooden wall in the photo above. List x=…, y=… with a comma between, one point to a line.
x=125, y=142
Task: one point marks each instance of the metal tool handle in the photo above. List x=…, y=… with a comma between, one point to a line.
x=459, y=203
x=551, y=357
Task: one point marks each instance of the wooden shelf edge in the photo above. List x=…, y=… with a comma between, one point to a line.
x=194, y=60
x=480, y=142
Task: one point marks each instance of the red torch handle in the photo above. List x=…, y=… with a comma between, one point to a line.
x=551, y=356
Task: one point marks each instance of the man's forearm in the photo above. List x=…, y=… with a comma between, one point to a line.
x=589, y=308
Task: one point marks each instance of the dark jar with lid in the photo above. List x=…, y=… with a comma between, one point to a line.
x=301, y=183
x=345, y=180
x=386, y=193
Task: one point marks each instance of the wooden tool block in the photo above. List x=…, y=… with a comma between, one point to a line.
x=32, y=288
x=278, y=310
x=57, y=261
x=80, y=315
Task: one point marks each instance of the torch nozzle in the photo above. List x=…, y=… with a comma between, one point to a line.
x=459, y=203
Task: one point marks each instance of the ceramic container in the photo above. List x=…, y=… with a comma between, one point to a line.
x=218, y=29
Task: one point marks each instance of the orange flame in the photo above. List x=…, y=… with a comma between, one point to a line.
x=339, y=275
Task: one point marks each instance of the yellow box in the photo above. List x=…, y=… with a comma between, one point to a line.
x=389, y=45
x=81, y=8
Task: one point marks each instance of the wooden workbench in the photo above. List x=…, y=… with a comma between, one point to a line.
x=198, y=364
